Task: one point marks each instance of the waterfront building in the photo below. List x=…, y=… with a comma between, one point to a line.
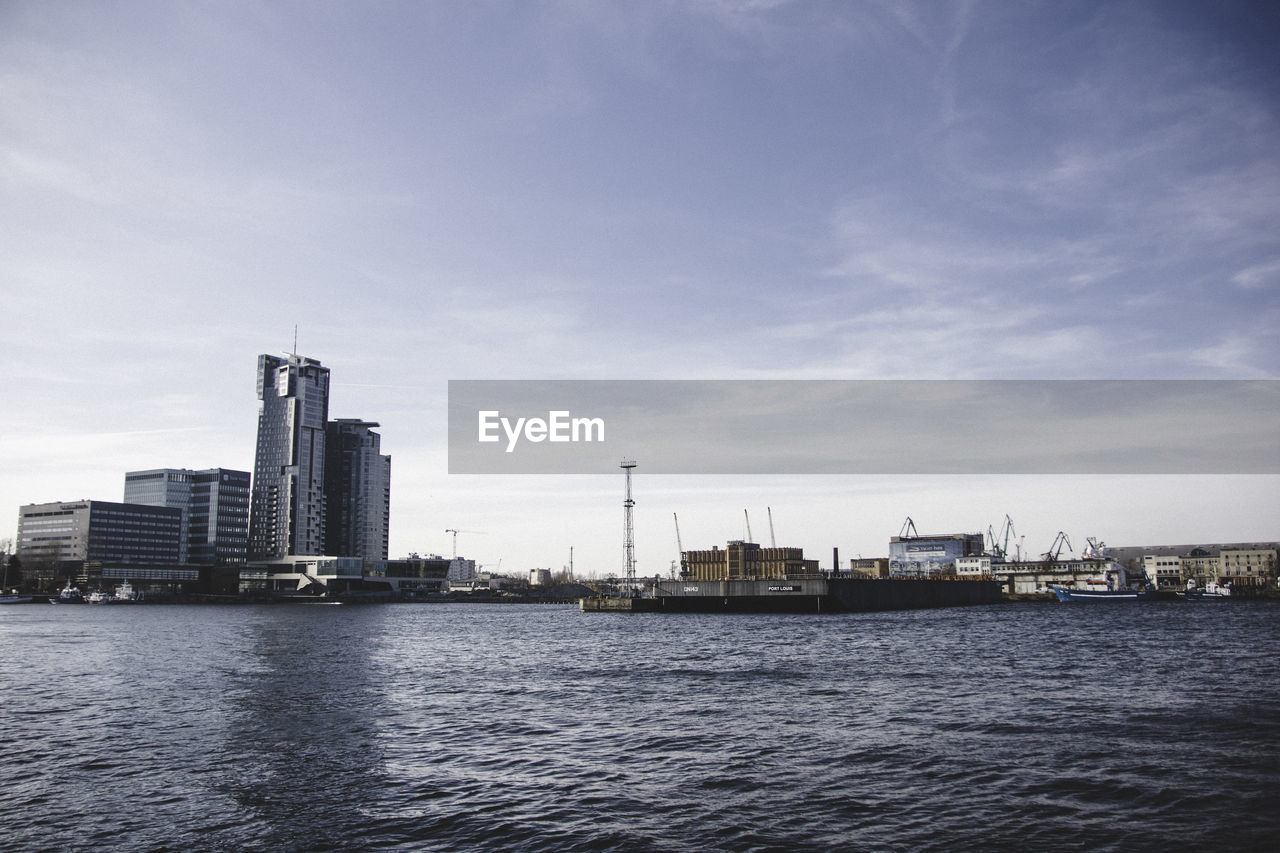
x=1164, y=569
x=55, y=540
x=1031, y=576
x=214, y=505
x=357, y=486
x=930, y=555
x=1200, y=565
x=1247, y=566
x=742, y=560
x=287, y=507
x=352, y=576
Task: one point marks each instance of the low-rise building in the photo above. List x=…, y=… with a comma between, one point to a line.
x=1165, y=570
x=321, y=574
x=1248, y=566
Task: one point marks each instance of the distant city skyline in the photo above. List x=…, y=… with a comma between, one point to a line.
x=692, y=190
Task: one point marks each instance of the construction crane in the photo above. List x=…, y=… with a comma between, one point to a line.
x=773, y=542
x=748, y=518
x=1056, y=548
x=455, y=538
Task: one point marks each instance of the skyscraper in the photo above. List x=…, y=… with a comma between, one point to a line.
x=357, y=490
x=287, y=515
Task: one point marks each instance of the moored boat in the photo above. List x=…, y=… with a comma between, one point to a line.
x=1065, y=593
x=14, y=598
x=1113, y=585
x=1212, y=591
x=68, y=595
x=125, y=594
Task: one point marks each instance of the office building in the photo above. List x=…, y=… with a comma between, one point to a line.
x=357, y=485
x=287, y=506
x=75, y=532
x=214, y=504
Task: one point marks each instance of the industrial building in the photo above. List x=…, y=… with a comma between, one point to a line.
x=922, y=556
x=746, y=560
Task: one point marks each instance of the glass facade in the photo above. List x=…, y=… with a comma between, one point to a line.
x=99, y=531
x=287, y=507
x=214, y=504
x=357, y=491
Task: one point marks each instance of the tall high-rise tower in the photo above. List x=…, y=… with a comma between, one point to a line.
x=287, y=510
x=357, y=484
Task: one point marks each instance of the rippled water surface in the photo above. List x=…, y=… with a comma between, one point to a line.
x=510, y=727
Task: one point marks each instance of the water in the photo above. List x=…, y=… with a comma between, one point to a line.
x=531, y=728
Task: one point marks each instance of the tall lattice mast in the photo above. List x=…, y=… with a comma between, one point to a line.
x=628, y=530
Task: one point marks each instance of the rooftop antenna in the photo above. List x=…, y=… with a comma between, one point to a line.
x=628, y=529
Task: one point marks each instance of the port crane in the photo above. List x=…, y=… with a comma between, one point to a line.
x=684, y=564
x=748, y=518
x=908, y=530
x=1000, y=541
x=1056, y=548
x=773, y=542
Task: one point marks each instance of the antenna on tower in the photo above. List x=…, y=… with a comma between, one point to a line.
x=628, y=529
x=295, y=340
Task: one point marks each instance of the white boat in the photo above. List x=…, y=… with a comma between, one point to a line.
x=1213, y=591
x=125, y=594
x=69, y=595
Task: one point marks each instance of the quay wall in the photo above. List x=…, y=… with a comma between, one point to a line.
x=806, y=595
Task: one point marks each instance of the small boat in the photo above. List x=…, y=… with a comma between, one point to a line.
x=1212, y=592
x=14, y=598
x=69, y=595
x=125, y=594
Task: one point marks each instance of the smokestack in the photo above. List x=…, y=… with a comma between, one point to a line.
x=835, y=562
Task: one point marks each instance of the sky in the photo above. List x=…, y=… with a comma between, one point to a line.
x=689, y=189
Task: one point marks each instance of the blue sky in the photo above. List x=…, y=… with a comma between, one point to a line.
x=521, y=190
